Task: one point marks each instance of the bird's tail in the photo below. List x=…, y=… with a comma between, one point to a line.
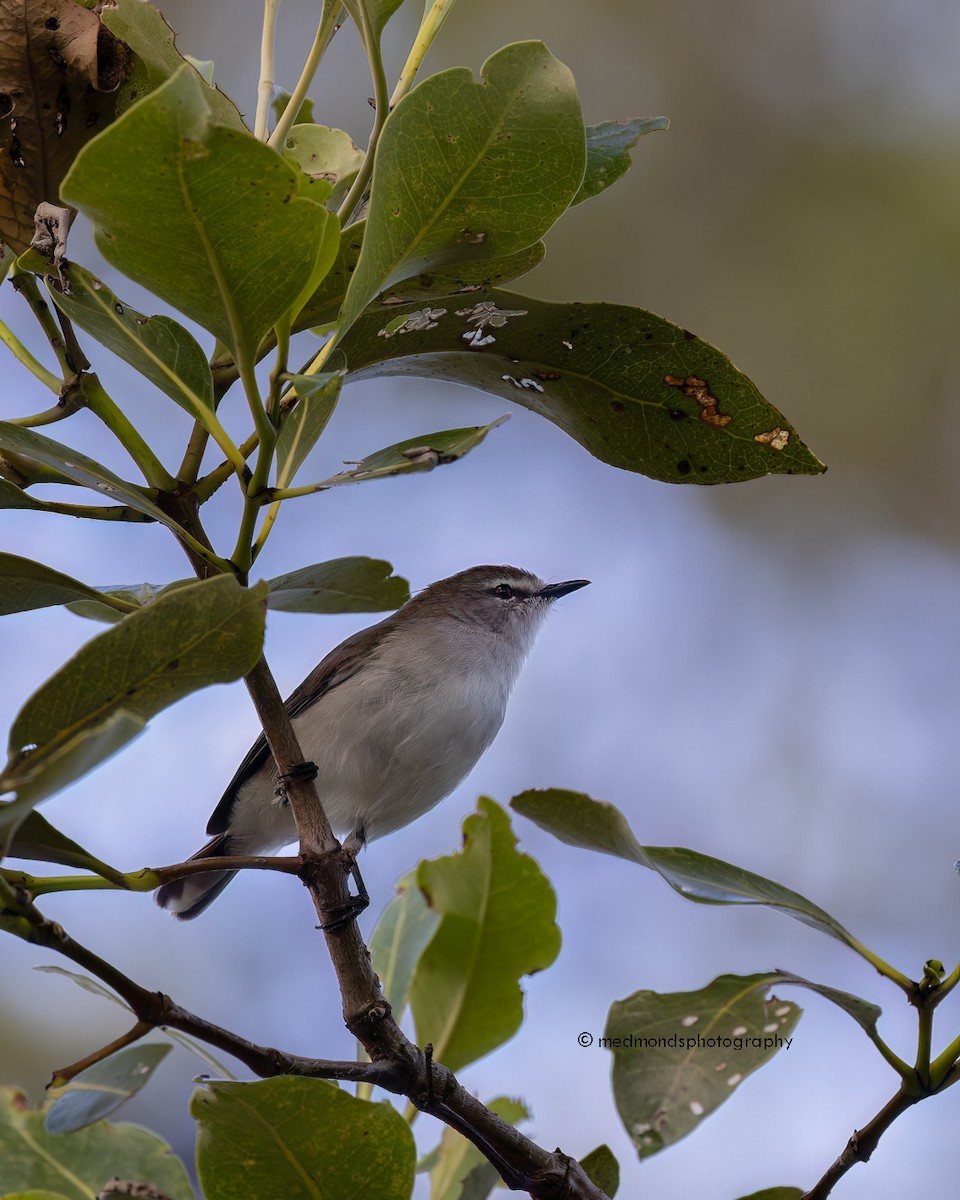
x=187, y=898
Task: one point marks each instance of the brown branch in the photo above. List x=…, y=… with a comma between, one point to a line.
x=862, y=1143
x=64, y=1074
x=522, y=1164
x=397, y=1065
x=288, y=865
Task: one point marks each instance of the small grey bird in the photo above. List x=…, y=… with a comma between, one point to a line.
x=393, y=718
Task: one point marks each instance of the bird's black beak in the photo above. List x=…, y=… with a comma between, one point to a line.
x=553, y=591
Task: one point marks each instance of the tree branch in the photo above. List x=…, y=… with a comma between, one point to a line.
x=396, y=1064
x=862, y=1143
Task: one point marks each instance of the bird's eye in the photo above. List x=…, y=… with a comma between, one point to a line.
x=504, y=591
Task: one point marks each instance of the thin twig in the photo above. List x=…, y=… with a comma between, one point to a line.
x=64, y=1074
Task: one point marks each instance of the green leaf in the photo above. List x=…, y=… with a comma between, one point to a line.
x=402, y=933
x=146, y=32
x=140, y=594
x=458, y=277
x=66, y=760
x=160, y=349
x=26, y=585
x=863, y=1011
x=636, y=391
x=209, y=632
x=603, y=1169
x=678, y=1057
x=36, y=839
x=102, y=1088
x=342, y=585
x=302, y=427
x=32, y=1160
x=777, y=1193
x=462, y=278
x=234, y=242
x=324, y=153
x=497, y=912
x=70, y=465
x=460, y=1171
x=299, y=1138
x=12, y=496
x=467, y=171
x=378, y=13
x=608, y=152
x=596, y=825
x=33, y=1194
x=415, y=454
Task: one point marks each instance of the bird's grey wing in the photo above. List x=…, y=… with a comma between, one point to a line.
x=340, y=664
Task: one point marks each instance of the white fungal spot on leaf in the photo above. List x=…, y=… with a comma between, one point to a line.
x=486, y=315
x=523, y=385
x=686, y=1022
x=424, y=318
x=696, y=1108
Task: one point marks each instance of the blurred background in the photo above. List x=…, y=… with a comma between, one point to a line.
x=765, y=672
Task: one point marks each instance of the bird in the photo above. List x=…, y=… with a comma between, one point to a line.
x=393, y=718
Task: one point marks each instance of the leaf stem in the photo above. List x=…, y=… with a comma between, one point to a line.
x=33, y=365
x=430, y=25
x=65, y=407
x=216, y=478
x=924, y=1043
x=891, y=973
x=101, y=405
x=266, y=84
x=244, y=551
x=327, y=27
x=381, y=103
x=25, y=284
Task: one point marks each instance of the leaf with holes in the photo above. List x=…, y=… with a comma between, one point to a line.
x=327, y=154
x=467, y=171
x=59, y=74
x=677, y=1057
x=635, y=390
